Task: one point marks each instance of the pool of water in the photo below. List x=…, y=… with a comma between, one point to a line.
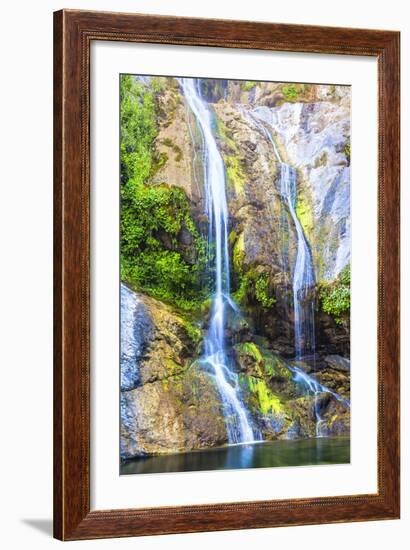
x=300, y=452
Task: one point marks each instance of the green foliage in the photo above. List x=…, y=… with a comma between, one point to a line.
x=335, y=297
x=262, y=291
x=253, y=285
x=158, y=83
x=154, y=216
x=274, y=366
x=223, y=132
x=290, y=92
x=194, y=332
x=241, y=294
x=248, y=85
x=138, y=130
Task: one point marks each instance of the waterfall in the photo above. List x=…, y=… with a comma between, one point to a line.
x=314, y=387
x=303, y=279
x=215, y=357
x=303, y=273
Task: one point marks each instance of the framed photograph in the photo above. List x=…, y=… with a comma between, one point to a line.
x=226, y=279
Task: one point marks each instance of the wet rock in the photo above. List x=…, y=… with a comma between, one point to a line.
x=337, y=362
x=168, y=403
x=332, y=338
x=136, y=334
x=172, y=415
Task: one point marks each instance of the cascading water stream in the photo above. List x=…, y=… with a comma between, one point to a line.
x=303, y=281
x=315, y=388
x=236, y=416
x=303, y=273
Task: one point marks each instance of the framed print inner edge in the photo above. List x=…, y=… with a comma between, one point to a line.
x=74, y=31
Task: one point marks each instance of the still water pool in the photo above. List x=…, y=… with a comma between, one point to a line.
x=301, y=452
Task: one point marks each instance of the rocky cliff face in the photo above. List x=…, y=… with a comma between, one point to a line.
x=170, y=403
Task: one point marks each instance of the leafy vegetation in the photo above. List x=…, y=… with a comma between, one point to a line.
x=262, y=294
x=290, y=92
x=253, y=285
x=253, y=288
x=154, y=217
x=335, y=297
x=248, y=85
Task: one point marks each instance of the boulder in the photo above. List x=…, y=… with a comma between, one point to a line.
x=338, y=363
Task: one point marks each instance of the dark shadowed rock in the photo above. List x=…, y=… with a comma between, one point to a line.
x=338, y=363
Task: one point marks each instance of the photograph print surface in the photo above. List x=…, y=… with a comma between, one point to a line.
x=235, y=274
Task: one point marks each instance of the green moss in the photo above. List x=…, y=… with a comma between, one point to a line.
x=235, y=177
x=172, y=367
x=194, y=332
x=224, y=134
x=275, y=366
x=304, y=214
x=232, y=237
x=253, y=285
x=263, y=398
x=335, y=296
x=241, y=293
x=238, y=254
x=250, y=348
x=333, y=420
x=177, y=150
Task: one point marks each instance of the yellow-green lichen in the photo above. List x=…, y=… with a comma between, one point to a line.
x=235, y=177
x=238, y=254
x=274, y=366
x=247, y=85
x=251, y=349
x=304, y=214
x=267, y=401
x=224, y=134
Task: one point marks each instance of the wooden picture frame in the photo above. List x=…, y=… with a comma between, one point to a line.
x=74, y=32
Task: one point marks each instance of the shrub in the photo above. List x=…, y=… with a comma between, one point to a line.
x=290, y=93
x=335, y=297
x=153, y=216
x=248, y=85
